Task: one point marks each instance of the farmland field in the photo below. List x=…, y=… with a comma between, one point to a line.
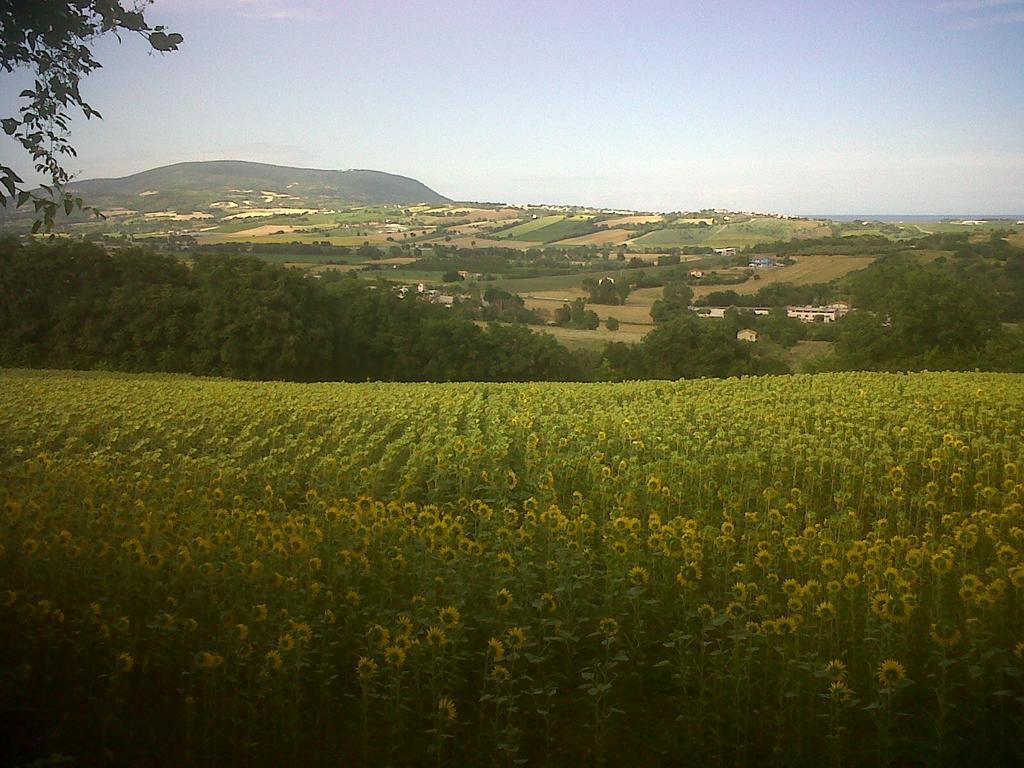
x=528, y=285
x=524, y=231
x=806, y=270
x=677, y=237
x=751, y=232
x=570, y=227
x=636, y=310
x=783, y=570
x=595, y=340
x=601, y=237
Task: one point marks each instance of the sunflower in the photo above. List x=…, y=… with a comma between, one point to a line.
x=273, y=661
x=942, y=562
x=436, y=638
x=207, y=660
x=517, y=637
x=449, y=616
x=839, y=691
x=944, y=638
x=639, y=575
x=500, y=673
x=366, y=669
x=881, y=604
x=504, y=599
x=394, y=655
x=505, y=560
x=379, y=635
x=446, y=709
x=609, y=627
x=496, y=648
x=825, y=611
x=1017, y=577
x=785, y=625
x=891, y=673
x=835, y=670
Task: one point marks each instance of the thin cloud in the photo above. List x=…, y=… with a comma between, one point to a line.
x=978, y=22
x=266, y=10
x=977, y=14
x=974, y=5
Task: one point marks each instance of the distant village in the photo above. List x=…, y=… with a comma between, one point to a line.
x=828, y=313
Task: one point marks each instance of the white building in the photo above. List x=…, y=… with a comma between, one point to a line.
x=717, y=312
x=812, y=314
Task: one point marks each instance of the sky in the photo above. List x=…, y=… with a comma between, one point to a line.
x=786, y=106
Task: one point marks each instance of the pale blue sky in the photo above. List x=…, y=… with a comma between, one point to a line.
x=852, y=107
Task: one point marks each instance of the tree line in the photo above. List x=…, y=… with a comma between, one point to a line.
x=75, y=305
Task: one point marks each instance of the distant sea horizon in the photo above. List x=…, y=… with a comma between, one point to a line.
x=895, y=217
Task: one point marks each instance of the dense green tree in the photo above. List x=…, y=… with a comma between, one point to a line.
x=53, y=38
x=576, y=315
x=74, y=305
x=914, y=316
x=675, y=301
x=606, y=290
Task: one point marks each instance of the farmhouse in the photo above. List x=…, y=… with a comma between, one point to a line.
x=762, y=262
x=726, y=251
x=717, y=312
x=812, y=314
x=697, y=273
x=747, y=334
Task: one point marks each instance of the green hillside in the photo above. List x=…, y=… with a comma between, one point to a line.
x=202, y=183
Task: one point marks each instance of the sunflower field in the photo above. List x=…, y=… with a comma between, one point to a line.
x=803, y=570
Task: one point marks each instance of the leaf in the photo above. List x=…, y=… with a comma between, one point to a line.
x=10, y=125
x=23, y=197
x=164, y=42
x=69, y=204
x=133, y=21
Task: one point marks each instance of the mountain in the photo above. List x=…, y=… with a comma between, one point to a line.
x=192, y=185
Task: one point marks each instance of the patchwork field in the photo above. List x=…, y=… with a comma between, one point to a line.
x=604, y=237
x=618, y=221
x=636, y=311
x=534, y=285
x=713, y=572
x=524, y=230
x=806, y=270
x=675, y=238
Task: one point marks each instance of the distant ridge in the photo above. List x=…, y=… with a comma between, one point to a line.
x=192, y=184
